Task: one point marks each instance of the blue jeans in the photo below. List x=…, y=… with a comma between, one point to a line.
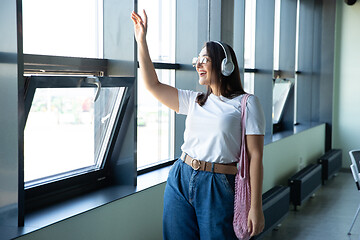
x=198, y=204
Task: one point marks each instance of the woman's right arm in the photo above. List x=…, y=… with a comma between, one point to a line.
x=166, y=94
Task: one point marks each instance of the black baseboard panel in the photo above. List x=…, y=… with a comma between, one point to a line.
x=304, y=183
x=331, y=163
x=275, y=206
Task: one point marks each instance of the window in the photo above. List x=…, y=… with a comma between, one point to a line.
x=155, y=125
x=249, y=82
x=286, y=34
x=155, y=131
x=64, y=117
x=68, y=118
x=276, y=34
x=249, y=41
x=249, y=45
x=63, y=27
x=77, y=116
x=161, y=25
x=281, y=92
x=71, y=125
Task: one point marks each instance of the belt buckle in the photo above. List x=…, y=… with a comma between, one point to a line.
x=195, y=164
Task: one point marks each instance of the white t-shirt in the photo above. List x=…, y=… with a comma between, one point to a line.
x=213, y=131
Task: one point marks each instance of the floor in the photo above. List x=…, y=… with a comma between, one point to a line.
x=326, y=216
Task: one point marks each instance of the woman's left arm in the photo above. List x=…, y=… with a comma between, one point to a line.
x=255, y=146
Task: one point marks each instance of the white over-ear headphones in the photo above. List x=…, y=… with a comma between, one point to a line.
x=227, y=65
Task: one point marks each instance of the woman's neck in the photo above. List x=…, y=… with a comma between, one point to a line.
x=215, y=90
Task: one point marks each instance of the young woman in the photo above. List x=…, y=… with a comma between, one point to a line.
x=199, y=195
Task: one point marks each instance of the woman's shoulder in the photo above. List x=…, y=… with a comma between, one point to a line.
x=251, y=98
x=187, y=95
x=252, y=102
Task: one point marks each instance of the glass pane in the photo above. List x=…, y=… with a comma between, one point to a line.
x=249, y=82
x=155, y=121
x=280, y=94
x=249, y=40
x=276, y=34
x=66, y=130
x=297, y=35
x=161, y=28
x=63, y=27
x=155, y=125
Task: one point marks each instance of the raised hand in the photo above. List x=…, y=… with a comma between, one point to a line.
x=166, y=94
x=140, y=26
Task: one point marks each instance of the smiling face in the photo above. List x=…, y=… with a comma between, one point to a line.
x=208, y=67
x=204, y=68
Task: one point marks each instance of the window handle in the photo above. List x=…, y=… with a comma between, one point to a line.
x=94, y=80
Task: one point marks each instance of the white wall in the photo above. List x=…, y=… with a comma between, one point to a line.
x=346, y=118
x=136, y=217
x=287, y=156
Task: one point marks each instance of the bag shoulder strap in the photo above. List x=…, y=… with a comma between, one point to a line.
x=243, y=160
x=243, y=114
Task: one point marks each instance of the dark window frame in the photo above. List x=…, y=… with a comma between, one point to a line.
x=42, y=71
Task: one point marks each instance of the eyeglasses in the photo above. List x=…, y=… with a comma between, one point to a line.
x=200, y=60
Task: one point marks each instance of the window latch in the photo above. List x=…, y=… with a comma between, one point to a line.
x=94, y=80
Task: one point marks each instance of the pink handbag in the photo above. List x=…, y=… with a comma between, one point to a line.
x=242, y=184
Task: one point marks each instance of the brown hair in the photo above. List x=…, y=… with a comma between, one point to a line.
x=229, y=86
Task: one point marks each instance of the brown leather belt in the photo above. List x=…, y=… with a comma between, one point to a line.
x=208, y=166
